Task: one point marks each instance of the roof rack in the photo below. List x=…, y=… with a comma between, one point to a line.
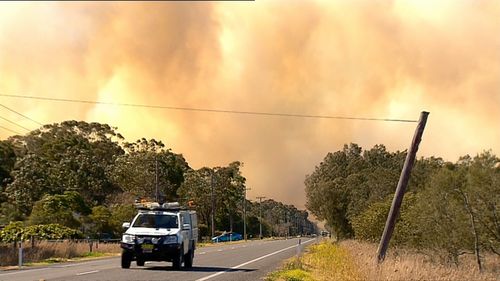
x=155, y=206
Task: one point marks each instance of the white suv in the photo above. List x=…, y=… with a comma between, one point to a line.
x=164, y=232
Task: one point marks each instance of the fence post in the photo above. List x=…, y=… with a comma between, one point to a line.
x=20, y=254
x=298, y=248
x=90, y=245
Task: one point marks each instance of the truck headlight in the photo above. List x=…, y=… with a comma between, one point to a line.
x=170, y=239
x=128, y=239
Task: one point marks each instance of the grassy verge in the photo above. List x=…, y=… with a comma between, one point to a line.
x=53, y=252
x=323, y=261
x=408, y=264
x=355, y=260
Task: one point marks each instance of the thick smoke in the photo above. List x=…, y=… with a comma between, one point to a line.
x=349, y=58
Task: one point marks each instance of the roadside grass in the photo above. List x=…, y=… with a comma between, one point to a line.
x=408, y=264
x=355, y=260
x=45, y=252
x=323, y=261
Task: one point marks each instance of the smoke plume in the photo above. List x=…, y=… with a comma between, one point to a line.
x=388, y=59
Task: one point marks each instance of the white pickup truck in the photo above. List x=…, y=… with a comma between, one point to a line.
x=163, y=232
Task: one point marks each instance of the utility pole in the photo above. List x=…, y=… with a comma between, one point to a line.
x=245, y=214
x=212, y=182
x=400, y=190
x=260, y=215
x=157, y=195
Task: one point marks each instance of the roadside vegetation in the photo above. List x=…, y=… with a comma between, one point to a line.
x=355, y=260
x=323, y=261
x=83, y=178
x=56, y=251
x=450, y=208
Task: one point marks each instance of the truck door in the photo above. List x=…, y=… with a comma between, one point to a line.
x=186, y=234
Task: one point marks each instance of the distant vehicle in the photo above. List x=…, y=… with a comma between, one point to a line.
x=165, y=232
x=227, y=236
x=106, y=238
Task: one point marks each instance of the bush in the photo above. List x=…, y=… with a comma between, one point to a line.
x=17, y=232
x=14, y=231
x=369, y=225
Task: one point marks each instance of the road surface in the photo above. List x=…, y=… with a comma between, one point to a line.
x=243, y=261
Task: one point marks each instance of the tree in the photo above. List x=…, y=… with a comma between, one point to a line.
x=350, y=181
x=328, y=195
x=101, y=220
x=135, y=171
x=228, y=192
x=65, y=209
x=59, y=157
x=7, y=161
x=197, y=189
x=483, y=195
x=121, y=213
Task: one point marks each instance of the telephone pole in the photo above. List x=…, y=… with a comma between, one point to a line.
x=157, y=195
x=245, y=214
x=212, y=182
x=400, y=189
x=260, y=215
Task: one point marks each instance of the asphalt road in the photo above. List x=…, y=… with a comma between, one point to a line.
x=243, y=261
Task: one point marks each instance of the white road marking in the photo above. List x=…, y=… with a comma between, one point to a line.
x=248, y=262
x=219, y=250
x=202, y=253
x=233, y=248
x=88, y=272
x=28, y=270
x=23, y=271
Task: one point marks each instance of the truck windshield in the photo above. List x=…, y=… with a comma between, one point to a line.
x=156, y=221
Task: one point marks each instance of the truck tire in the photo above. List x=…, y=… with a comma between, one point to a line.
x=126, y=260
x=177, y=261
x=188, y=259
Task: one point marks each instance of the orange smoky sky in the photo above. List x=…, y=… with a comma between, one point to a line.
x=385, y=59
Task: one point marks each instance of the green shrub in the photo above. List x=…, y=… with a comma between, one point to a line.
x=17, y=232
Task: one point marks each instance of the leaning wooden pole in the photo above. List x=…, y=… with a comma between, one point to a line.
x=400, y=190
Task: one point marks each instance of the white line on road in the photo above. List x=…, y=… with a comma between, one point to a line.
x=202, y=253
x=23, y=271
x=30, y=270
x=248, y=262
x=88, y=272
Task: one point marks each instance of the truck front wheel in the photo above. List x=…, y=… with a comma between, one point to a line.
x=126, y=260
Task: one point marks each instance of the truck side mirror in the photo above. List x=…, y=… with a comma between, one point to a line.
x=186, y=226
x=126, y=225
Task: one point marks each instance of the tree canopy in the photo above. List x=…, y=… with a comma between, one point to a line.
x=353, y=189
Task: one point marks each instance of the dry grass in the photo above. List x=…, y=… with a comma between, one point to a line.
x=355, y=260
x=322, y=262
x=403, y=264
x=53, y=251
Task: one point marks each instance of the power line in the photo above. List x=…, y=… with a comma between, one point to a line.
x=12, y=122
x=210, y=110
x=12, y=131
x=20, y=114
